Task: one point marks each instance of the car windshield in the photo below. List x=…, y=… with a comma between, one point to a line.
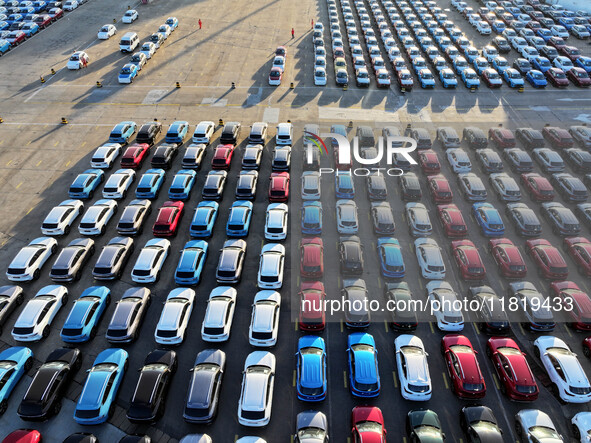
x=74, y=58
x=125, y=70
x=311, y=433
x=369, y=426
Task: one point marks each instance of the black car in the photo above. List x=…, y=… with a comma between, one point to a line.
x=475, y=137
x=148, y=132
x=550, y=52
x=404, y=317
x=422, y=137
x=206, y=383
x=524, y=220
x=519, y=160
x=571, y=188
x=149, y=397
x=491, y=317
x=522, y=65
x=423, y=425
x=411, y=187
x=530, y=138
x=579, y=160
x=365, y=137
x=136, y=439
x=163, y=156
x=81, y=437
x=376, y=187
x=10, y=297
x=351, y=255
x=501, y=44
x=129, y=313
x=480, y=425
x=230, y=133
x=382, y=218
x=43, y=398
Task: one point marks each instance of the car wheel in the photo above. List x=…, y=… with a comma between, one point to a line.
x=66, y=230
x=157, y=279
x=586, y=352
x=537, y=352
x=3, y=406
x=518, y=428
x=36, y=274
x=64, y=299
x=93, y=333
x=111, y=410
x=124, y=194
x=91, y=250
x=90, y=194
x=148, y=301
x=126, y=365
x=19, y=300
x=108, y=300
x=102, y=230
x=57, y=408
x=45, y=332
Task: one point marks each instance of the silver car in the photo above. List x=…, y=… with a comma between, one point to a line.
x=118, y=184
x=252, y=157
x=505, y=187
x=128, y=315
x=35, y=319
x=133, y=217
x=113, y=258
x=311, y=427
x=194, y=156
x=472, y=187
x=95, y=219
x=310, y=185
x=27, y=264
x=60, y=219
x=419, y=222
x=229, y=269
x=174, y=318
x=214, y=185
x=69, y=263
x=246, y=186
x=150, y=261
x=219, y=314
x=347, y=220
x=430, y=259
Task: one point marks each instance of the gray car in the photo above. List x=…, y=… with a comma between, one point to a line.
x=246, y=187
x=204, y=390
x=69, y=263
x=133, y=217
x=419, y=222
x=505, y=187
x=252, y=157
x=213, y=188
x=113, y=258
x=472, y=187
x=229, y=269
x=311, y=427
x=448, y=137
x=128, y=315
x=10, y=297
x=193, y=156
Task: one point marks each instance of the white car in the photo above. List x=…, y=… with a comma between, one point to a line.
x=412, y=368
x=564, y=369
x=130, y=16
x=276, y=221
x=271, y=264
x=256, y=395
x=529, y=53
x=564, y=63
x=319, y=76
x=106, y=32
x=559, y=31
x=442, y=298
x=149, y=263
x=118, y=184
x=105, y=155
x=27, y=264
x=35, y=319
x=284, y=134
x=78, y=60
x=419, y=222
x=279, y=62
x=203, y=132
x=148, y=49
x=264, y=322
x=174, y=318
x=458, y=160
x=310, y=185
x=60, y=219
x=347, y=220
x=430, y=259
x=95, y=219
x=383, y=78
x=219, y=314
x=581, y=425
x=70, y=5
x=164, y=30
x=518, y=43
x=536, y=426
x=483, y=27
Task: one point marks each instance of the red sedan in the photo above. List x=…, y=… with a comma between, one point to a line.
x=539, y=187
x=576, y=302
x=312, y=258
x=557, y=77
x=549, y=260
x=452, y=220
x=492, y=78
x=439, y=189
x=312, y=313
x=168, y=219
x=468, y=260
x=557, y=42
x=463, y=367
x=23, y=436
x=571, y=52
x=279, y=187
x=367, y=425
x=429, y=162
x=503, y=138
x=134, y=155
x=16, y=37
x=587, y=347
x=579, y=249
x=517, y=380
x=222, y=157
x=508, y=258
x=558, y=137
x=43, y=20
x=579, y=77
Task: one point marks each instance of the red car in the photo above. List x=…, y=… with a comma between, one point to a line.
x=341, y=166
x=486, y=76
x=452, y=220
x=405, y=79
x=429, y=162
x=275, y=76
x=312, y=258
x=579, y=77
x=168, y=219
x=557, y=77
x=468, y=260
x=540, y=189
x=43, y=20
x=573, y=297
x=462, y=367
x=503, y=138
x=56, y=13
x=312, y=313
x=16, y=37
x=279, y=187
x=222, y=157
x=571, y=52
x=517, y=380
x=579, y=249
x=508, y=258
x=549, y=260
x=557, y=42
x=439, y=189
x=587, y=347
x=558, y=137
x=367, y=425
x=134, y=155
x=23, y=436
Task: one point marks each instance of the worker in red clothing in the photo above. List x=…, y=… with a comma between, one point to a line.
x=292, y=33
x=199, y=23
x=312, y=24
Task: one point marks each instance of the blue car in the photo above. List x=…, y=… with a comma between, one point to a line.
x=193, y=256
x=239, y=219
x=364, y=377
x=14, y=363
x=15, y=18
x=311, y=369
x=204, y=219
x=4, y=25
x=181, y=185
x=470, y=78
x=541, y=64
x=536, y=79
x=500, y=64
x=498, y=26
x=390, y=256
x=4, y=46
x=488, y=218
x=344, y=185
x=172, y=23
x=24, y=10
x=312, y=218
x=545, y=33
x=30, y=29
x=448, y=78
x=39, y=6
x=83, y=319
x=122, y=132
x=128, y=72
x=426, y=79
x=585, y=63
x=150, y=184
x=567, y=22
x=97, y=400
x=340, y=130
x=177, y=132
x=513, y=78
x=86, y=183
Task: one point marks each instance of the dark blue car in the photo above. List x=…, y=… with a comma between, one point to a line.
x=489, y=219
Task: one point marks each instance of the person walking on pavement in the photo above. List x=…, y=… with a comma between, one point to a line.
x=292, y=33
x=199, y=23
x=312, y=24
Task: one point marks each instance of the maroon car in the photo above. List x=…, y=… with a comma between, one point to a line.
x=16, y=37
x=558, y=137
x=492, y=78
x=579, y=77
x=557, y=77
x=43, y=20
x=557, y=42
x=571, y=52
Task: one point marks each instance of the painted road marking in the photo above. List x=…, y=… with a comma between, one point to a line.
x=294, y=378
x=445, y=380
x=386, y=326
x=431, y=326
x=496, y=381
x=395, y=377
x=19, y=185
x=345, y=379
x=39, y=162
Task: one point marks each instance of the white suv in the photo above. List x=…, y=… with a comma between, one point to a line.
x=219, y=314
x=256, y=396
x=264, y=323
x=284, y=134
